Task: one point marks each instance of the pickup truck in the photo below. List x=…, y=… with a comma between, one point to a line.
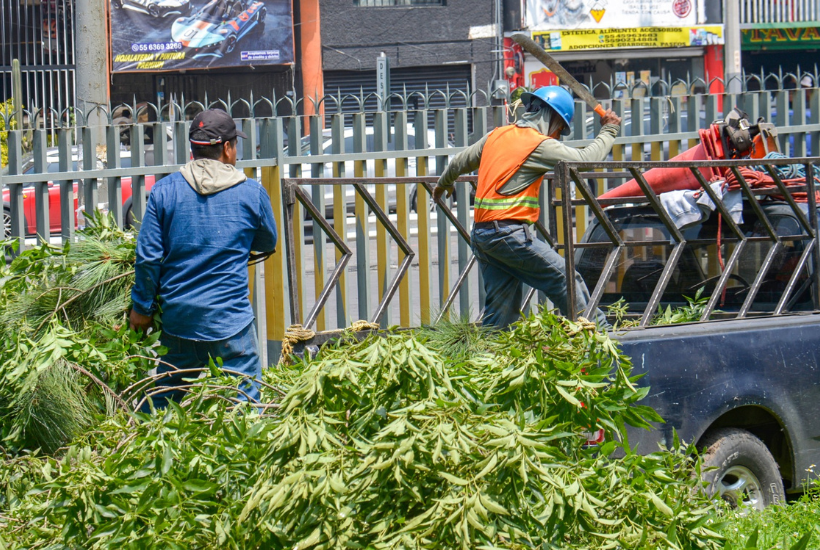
x=745, y=389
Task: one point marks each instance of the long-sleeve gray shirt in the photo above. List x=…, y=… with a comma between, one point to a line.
x=542, y=160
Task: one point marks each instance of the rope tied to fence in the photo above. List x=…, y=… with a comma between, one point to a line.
x=361, y=325
x=297, y=333
x=293, y=335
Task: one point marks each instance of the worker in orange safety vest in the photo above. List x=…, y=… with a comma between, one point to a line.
x=511, y=163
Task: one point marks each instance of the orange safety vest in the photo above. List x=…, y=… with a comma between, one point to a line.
x=504, y=152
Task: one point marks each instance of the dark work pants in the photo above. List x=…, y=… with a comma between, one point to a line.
x=239, y=353
x=508, y=257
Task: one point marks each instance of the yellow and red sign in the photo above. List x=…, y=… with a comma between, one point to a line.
x=642, y=37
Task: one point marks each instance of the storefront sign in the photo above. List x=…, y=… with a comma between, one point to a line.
x=545, y=15
x=781, y=37
x=161, y=35
x=644, y=37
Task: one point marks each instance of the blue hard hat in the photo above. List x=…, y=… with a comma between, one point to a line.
x=556, y=97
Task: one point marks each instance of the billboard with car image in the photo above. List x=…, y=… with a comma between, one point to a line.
x=163, y=35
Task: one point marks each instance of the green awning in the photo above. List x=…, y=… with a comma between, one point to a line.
x=781, y=36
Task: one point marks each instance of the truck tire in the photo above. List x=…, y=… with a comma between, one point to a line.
x=745, y=471
x=6, y=223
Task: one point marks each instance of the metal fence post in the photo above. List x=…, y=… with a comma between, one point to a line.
x=138, y=195
x=442, y=225
x=339, y=215
x=781, y=99
x=479, y=131
x=656, y=105
x=637, y=127
x=362, y=224
x=294, y=126
x=41, y=194
x=463, y=212
x=277, y=312
x=403, y=214
x=814, y=105
x=317, y=170
x=694, y=107
x=64, y=137
x=112, y=139
x=799, y=119
x=420, y=124
x=562, y=180
x=676, y=125
x=380, y=137
x=16, y=208
x=91, y=195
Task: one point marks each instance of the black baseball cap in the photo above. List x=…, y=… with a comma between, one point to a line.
x=213, y=126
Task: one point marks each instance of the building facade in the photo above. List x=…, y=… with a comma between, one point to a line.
x=40, y=35
x=781, y=36
x=433, y=44
x=620, y=43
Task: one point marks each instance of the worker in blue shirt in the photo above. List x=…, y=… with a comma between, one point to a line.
x=199, y=228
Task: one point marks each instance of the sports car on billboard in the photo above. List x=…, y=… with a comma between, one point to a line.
x=156, y=8
x=215, y=29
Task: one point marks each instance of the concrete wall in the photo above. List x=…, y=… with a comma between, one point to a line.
x=411, y=36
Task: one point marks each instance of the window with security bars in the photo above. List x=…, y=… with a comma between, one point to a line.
x=389, y=3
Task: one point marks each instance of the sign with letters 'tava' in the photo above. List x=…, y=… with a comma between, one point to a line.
x=779, y=36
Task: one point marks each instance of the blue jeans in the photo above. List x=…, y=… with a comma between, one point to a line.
x=509, y=256
x=239, y=353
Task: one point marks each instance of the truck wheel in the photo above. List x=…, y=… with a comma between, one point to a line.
x=6, y=223
x=745, y=473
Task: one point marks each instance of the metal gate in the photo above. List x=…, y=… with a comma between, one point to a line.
x=41, y=37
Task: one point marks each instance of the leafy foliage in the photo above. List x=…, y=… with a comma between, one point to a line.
x=6, y=109
x=456, y=338
x=383, y=443
x=792, y=527
x=66, y=348
x=689, y=313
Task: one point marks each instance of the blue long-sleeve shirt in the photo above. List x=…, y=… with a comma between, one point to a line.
x=192, y=256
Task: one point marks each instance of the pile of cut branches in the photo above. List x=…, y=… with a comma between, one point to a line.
x=67, y=351
x=393, y=442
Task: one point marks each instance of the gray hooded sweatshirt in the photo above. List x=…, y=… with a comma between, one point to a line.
x=542, y=160
x=207, y=176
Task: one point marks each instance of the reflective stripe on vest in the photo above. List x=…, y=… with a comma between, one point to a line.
x=505, y=151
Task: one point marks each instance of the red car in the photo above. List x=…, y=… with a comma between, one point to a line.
x=55, y=221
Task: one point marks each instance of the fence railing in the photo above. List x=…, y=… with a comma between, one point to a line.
x=362, y=241
x=778, y=11
x=801, y=269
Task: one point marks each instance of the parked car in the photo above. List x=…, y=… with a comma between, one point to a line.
x=155, y=8
x=55, y=217
x=215, y=29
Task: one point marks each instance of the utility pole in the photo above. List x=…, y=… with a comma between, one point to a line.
x=92, y=62
x=313, y=84
x=731, y=21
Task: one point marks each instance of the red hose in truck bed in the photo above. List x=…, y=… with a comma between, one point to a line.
x=662, y=180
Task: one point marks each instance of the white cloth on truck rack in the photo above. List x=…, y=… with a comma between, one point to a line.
x=690, y=207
